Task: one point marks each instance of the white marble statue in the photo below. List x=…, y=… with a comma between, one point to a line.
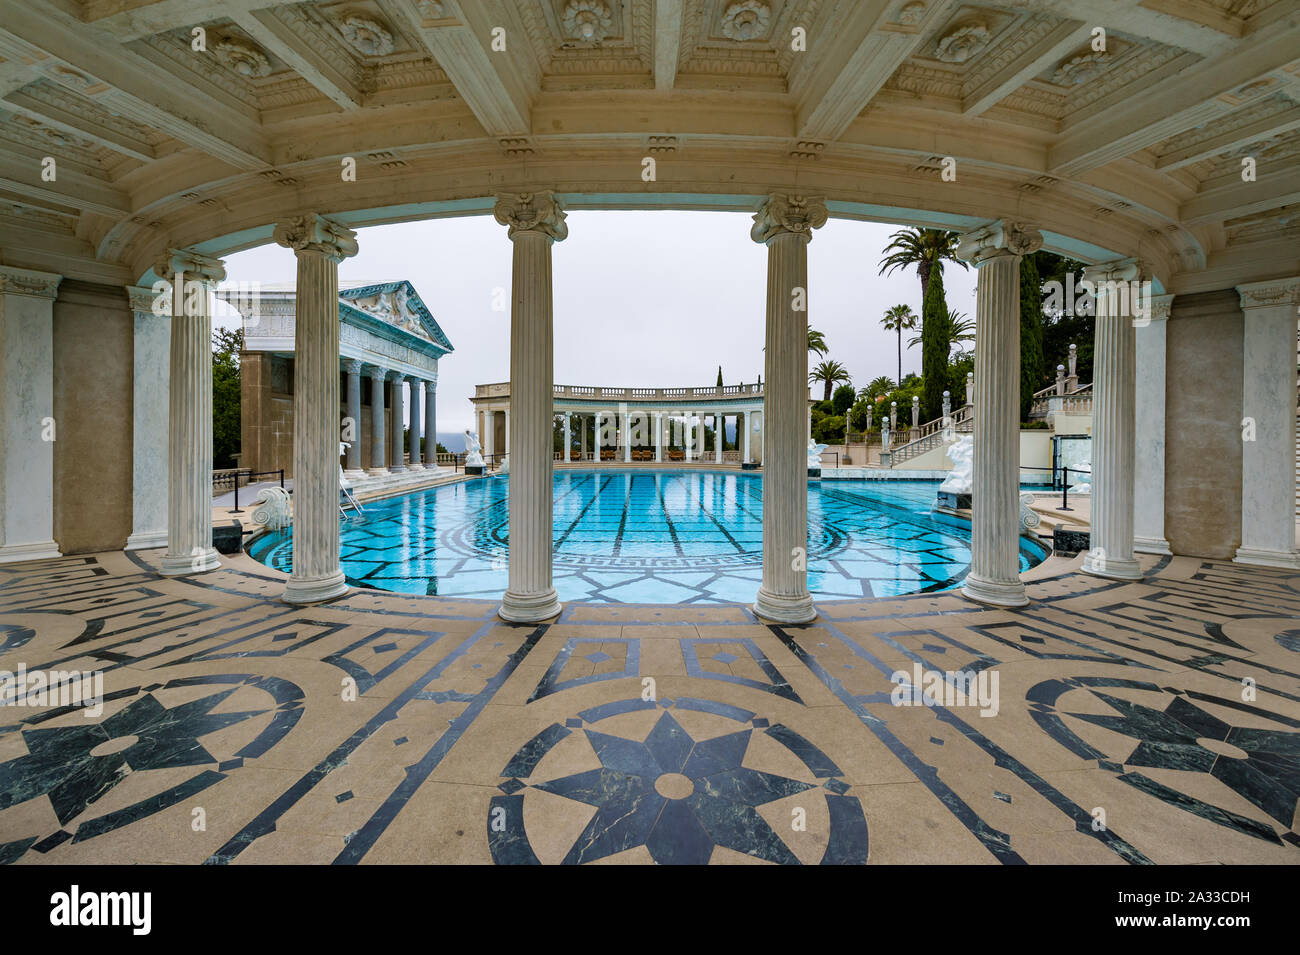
x=273, y=509
x=505, y=465
x=1084, y=485
x=473, y=451
x=958, y=480
x=343, y=450
x=815, y=453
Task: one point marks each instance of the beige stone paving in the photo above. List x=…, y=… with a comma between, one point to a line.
x=384, y=728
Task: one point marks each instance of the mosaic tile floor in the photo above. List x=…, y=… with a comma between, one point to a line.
x=1135, y=722
x=670, y=537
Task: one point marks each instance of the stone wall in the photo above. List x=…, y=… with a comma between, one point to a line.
x=94, y=358
x=1203, y=425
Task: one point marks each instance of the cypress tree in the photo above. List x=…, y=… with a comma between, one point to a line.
x=934, y=348
x=1031, y=334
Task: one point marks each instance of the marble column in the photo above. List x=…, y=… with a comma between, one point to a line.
x=27, y=426
x=659, y=437
x=490, y=436
x=1114, y=373
x=595, y=436
x=431, y=424
x=688, y=435
x=568, y=436
x=353, y=462
x=1268, y=400
x=627, y=437
x=189, y=470
x=417, y=390
x=378, y=426
x=746, y=424
x=1149, y=441
x=582, y=439
x=320, y=244
x=995, y=251
x=785, y=225
x=397, y=424
x=535, y=221
x=149, y=392
x=719, y=432
x=506, y=434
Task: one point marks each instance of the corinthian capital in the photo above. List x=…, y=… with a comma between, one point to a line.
x=783, y=213
x=1106, y=274
x=316, y=233
x=1003, y=237
x=531, y=212
x=193, y=265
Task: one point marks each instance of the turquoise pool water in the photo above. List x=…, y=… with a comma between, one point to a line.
x=654, y=537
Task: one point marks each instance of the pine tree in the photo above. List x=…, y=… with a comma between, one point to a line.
x=934, y=347
x=1031, y=334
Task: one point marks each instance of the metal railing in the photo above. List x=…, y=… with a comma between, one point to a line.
x=1063, y=475
x=247, y=476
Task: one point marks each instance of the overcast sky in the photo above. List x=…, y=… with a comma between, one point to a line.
x=641, y=298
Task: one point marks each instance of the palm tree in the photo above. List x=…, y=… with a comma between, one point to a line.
x=927, y=249
x=898, y=319
x=957, y=329
x=817, y=342
x=878, y=387
x=829, y=372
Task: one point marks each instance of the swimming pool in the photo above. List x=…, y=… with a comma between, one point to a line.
x=654, y=537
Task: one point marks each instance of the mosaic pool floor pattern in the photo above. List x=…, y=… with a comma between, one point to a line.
x=654, y=537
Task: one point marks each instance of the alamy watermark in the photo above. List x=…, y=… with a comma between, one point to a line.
x=950, y=688
x=44, y=688
x=1133, y=299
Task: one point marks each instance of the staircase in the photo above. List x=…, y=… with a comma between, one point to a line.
x=931, y=435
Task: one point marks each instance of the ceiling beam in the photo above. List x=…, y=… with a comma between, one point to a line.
x=1061, y=41
x=104, y=134
x=1188, y=99
x=1270, y=191
x=843, y=72
x=1281, y=122
x=122, y=82
x=493, y=84
x=161, y=16
x=668, y=42
x=69, y=190
x=266, y=27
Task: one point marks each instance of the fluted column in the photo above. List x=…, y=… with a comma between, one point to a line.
x=568, y=435
x=659, y=436
x=189, y=463
x=397, y=425
x=377, y=424
x=1114, y=376
x=688, y=432
x=995, y=251
x=719, y=432
x=535, y=221
x=627, y=437
x=1268, y=403
x=431, y=423
x=320, y=244
x=1149, y=411
x=785, y=224
x=744, y=420
x=354, y=412
x=417, y=389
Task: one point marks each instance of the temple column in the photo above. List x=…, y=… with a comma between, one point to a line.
x=431, y=423
x=320, y=244
x=506, y=436
x=582, y=421
x=719, y=432
x=189, y=461
x=1268, y=402
x=1149, y=412
x=785, y=224
x=595, y=436
x=377, y=424
x=688, y=441
x=353, y=463
x=659, y=437
x=151, y=358
x=27, y=425
x=627, y=437
x=744, y=419
x=535, y=221
x=1114, y=373
x=995, y=251
x=417, y=420
x=568, y=436
x=398, y=425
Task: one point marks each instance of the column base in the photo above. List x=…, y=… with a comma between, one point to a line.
x=355, y=474
x=783, y=608
x=1151, y=545
x=529, y=608
x=397, y=469
x=40, y=550
x=182, y=565
x=1112, y=568
x=376, y=472
x=146, y=540
x=310, y=591
x=1290, y=560
x=995, y=593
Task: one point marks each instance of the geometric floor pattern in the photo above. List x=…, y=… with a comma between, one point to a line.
x=1133, y=723
x=668, y=537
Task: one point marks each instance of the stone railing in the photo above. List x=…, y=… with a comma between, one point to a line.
x=931, y=436
x=601, y=393
x=1047, y=401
